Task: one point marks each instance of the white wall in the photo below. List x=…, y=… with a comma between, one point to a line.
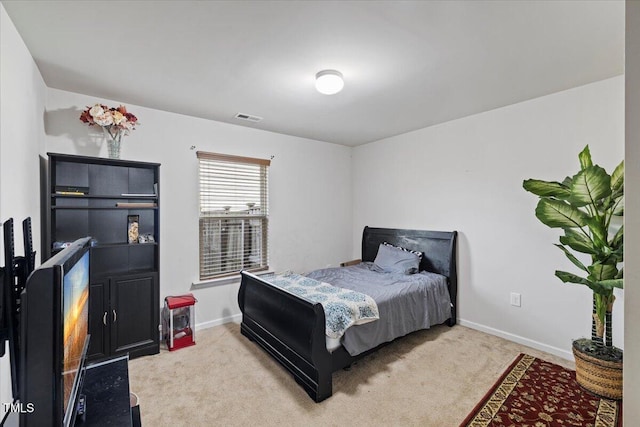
x=467, y=175
x=464, y=175
x=21, y=139
x=632, y=216
x=309, y=190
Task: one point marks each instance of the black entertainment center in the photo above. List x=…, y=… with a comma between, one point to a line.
x=102, y=198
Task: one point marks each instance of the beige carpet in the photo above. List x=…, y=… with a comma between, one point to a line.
x=429, y=378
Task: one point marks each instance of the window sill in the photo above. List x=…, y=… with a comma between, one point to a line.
x=200, y=284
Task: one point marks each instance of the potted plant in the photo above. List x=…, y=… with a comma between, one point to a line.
x=583, y=206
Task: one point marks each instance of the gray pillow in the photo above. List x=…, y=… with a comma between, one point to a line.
x=394, y=260
x=404, y=249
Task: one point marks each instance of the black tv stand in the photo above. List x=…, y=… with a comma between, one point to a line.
x=106, y=387
x=107, y=397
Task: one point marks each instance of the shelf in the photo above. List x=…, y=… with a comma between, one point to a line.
x=110, y=197
x=96, y=208
x=122, y=273
x=71, y=158
x=112, y=245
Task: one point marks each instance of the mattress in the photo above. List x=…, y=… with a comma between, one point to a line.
x=406, y=303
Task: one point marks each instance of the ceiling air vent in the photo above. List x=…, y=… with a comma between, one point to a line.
x=248, y=117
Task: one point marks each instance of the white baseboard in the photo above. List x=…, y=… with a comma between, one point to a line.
x=237, y=318
x=518, y=339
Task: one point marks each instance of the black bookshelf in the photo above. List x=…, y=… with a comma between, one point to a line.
x=97, y=197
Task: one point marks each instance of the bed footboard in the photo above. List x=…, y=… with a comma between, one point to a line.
x=289, y=328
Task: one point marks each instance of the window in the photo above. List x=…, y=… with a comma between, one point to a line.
x=233, y=214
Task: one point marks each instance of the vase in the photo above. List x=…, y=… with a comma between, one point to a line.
x=113, y=146
x=113, y=143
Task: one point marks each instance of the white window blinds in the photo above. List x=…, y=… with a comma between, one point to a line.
x=233, y=214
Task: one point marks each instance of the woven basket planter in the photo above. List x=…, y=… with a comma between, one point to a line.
x=601, y=377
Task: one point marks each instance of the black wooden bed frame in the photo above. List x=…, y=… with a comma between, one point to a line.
x=292, y=330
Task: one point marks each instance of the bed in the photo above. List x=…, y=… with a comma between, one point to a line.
x=292, y=329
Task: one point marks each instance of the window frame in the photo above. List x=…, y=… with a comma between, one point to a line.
x=208, y=216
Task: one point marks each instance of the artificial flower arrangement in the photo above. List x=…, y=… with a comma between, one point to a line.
x=114, y=121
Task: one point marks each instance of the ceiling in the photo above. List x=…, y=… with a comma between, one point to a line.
x=406, y=65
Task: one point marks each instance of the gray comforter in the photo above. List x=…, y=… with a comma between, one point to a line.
x=406, y=303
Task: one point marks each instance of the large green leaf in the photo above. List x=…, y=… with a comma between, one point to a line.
x=599, y=272
x=572, y=258
x=578, y=241
x=546, y=188
x=590, y=186
x=573, y=278
x=611, y=283
x=598, y=231
x=617, y=177
x=559, y=214
x=585, y=158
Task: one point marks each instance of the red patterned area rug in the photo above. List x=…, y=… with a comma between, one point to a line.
x=535, y=393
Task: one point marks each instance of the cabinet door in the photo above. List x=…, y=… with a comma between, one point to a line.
x=135, y=314
x=99, y=319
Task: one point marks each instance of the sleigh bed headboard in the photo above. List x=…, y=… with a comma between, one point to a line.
x=438, y=251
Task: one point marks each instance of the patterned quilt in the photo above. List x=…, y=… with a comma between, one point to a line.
x=342, y=307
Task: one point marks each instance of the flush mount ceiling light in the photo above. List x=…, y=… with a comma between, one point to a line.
x=329, y=82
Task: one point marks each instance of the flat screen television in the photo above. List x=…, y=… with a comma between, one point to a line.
x=54, y=333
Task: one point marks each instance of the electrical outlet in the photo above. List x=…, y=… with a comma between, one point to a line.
x=515, y=299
